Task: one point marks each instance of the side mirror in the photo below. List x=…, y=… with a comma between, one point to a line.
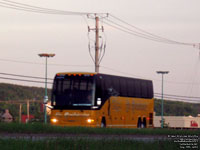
x=112, y=92
x=98, y=101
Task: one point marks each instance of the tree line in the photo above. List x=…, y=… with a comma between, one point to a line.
x=22, y=93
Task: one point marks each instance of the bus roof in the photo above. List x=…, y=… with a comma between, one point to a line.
x=95, y=73
x=76, y=73
x=125, y=86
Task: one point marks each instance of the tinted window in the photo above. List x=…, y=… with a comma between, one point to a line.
x=73, y=90
x=144, y=89
x=66, y=84
x=123, y=87
x=116, y=86
x=130, y=87
x=137, y=88
x=108, y=82
x=150, y=89
x=83, y=85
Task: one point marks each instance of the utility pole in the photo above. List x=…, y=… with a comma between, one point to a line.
x=98, y=49
x=97, y=45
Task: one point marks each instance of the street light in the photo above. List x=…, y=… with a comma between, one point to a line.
x=46, y=96
x=162, y=73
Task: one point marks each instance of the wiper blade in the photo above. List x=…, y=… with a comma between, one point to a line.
x=82, y=104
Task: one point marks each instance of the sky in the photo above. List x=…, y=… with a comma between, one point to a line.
x=23, y=35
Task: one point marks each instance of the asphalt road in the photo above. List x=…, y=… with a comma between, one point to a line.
x=83, y=136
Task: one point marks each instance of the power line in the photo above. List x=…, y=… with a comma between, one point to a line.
x=108, y=68
x=23, y=76
x=132, y=75
x=122, y=26
x=148, y=34
x=17, y=75
x=35, y=63
x=177, y=96
x=24, y=80
x=139, y=33
x=131, y=32
x=135, y=33
x=42, y=8
x=31, y=8
x=178, y=99
x=157, y=95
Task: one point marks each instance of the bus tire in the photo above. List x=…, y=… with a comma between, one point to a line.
x=144, y=123
x=103, y=122
x=139, y=124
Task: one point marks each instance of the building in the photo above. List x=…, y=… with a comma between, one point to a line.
x=6, y=117
x=178, y=121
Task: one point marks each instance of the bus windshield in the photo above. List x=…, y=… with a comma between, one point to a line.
x=73, y=90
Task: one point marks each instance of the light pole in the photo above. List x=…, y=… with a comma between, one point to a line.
x=46, y=96
x=162, y=73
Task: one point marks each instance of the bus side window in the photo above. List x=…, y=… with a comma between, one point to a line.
x=130, y=87
x=144, y=89
x=137, y=87
x=123, y=87
x=133, y=87
x=150, y=89
x=115, y=86
x=108, y=87
x=108, y=84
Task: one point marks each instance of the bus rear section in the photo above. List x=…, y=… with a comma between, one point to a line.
x=99, y=100
x=129, y=112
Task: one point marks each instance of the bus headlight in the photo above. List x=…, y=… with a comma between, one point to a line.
x=90, y=120
x=54, y=120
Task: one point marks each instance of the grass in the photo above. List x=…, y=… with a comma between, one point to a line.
x=78, y=143
x=84, y=144
x=47, y=128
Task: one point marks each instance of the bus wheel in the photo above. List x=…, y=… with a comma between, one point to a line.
x=103, y=122
x=139, y=124
x=144, y=123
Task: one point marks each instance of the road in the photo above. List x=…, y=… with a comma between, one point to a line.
x=83, y=136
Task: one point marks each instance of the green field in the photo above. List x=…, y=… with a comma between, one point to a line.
x=47, y=128
x=87, y=142
x=84, y=144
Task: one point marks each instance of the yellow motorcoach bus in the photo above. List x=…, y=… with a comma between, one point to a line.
x=101, y=100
